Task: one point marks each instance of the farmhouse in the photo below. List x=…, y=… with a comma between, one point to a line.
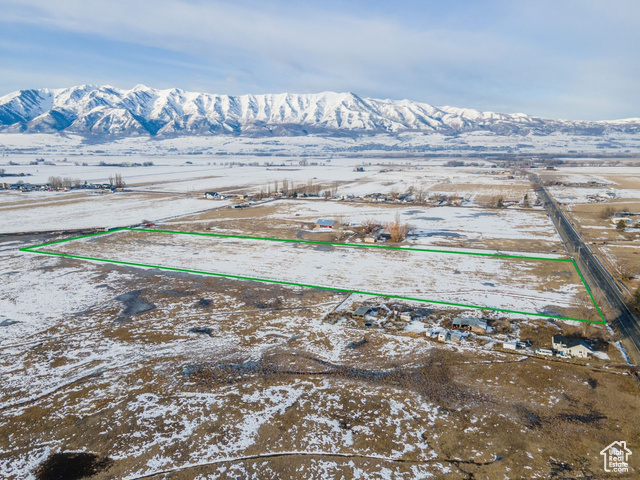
x=476, y=325
x=573, y=347
x=322, y=223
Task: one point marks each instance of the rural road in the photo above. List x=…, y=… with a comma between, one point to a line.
x=626, y=323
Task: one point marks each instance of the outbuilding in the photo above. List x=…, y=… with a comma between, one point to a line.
x=361, y=311
x=457, y=337
x=444, y=335
x=324, y=223
x=476, y=325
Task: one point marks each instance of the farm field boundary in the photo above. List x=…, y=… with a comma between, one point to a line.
x=38, y=249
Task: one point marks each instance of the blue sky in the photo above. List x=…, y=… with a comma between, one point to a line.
x=576, y=59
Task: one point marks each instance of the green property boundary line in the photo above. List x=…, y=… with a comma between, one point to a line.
x=35, y=249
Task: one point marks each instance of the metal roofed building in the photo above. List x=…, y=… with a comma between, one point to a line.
x=324, y=223
x=476, y=325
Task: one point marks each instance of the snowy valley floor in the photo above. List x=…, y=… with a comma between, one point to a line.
x=173, y=375
x=170, y=375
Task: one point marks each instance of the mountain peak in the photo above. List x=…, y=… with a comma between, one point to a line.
x=99, y=110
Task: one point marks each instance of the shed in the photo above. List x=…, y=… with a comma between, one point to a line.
x=431, y=332
x=510, y=345
x=457, y=337
x=477, y=325
x=361, y=311
x=444, y=335
x=324, y=223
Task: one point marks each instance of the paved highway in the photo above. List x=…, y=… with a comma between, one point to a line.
x=626, y=322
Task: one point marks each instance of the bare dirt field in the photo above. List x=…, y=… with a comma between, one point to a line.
x=116, y=371
x=171, y=375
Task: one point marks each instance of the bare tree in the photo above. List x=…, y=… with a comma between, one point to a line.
x=312, y=189
x=636, y=299
x=607, y=212
x=397, y=230
x=497, y=201
x=338, y=228
x=55, y=182
x=117, y=181
x=370, y=225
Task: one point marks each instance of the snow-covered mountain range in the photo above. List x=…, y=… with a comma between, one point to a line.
x=104, y=110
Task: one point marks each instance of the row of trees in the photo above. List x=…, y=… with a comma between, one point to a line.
x=288, y=189
x=68, y=182
x=64, y=182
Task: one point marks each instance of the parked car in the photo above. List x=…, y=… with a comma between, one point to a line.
x=544, y=351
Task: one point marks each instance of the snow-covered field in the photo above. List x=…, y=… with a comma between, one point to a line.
x=80, y=372
x=622, y=182
x=32, y=212
x=495, y=282
x=426, y=224
x=383, y=144
x=63, y=351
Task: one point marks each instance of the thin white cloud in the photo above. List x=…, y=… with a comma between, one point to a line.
x=529, y=58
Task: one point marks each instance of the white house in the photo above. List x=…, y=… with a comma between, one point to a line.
x=573, y=347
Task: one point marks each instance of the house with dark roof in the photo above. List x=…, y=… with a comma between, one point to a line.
x=573, y=347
